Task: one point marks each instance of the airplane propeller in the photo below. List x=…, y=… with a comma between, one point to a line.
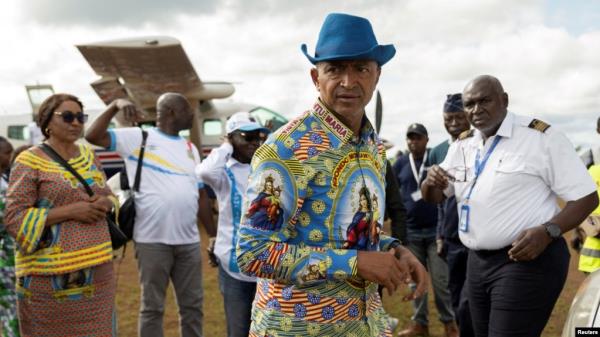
x=378, y=112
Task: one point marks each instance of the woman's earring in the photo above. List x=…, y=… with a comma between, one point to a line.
x=48, y=131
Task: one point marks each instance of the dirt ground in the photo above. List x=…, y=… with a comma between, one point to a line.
x=128, y=294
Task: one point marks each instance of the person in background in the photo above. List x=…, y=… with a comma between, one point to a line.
x=57, y=226
x=507, y=175
x=394, y=208
x=170, y=199
x=448, y=242
x=421, y=224
x=324, y=170
x=9, y=324
x=589, y=258
x=226, y=171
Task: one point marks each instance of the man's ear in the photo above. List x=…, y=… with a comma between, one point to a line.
x=505, y=99
x=314, y=74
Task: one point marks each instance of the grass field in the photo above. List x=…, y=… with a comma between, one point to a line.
x=128, y=294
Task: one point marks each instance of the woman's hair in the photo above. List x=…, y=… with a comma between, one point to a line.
x=48, y=107
x=365, y=191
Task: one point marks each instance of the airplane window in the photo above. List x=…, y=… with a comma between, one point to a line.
x=212, y=127
x=19, y=132
x=268, y=117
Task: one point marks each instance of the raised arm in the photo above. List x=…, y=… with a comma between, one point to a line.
x=97, y=133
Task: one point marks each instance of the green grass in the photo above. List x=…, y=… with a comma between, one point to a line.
x=128, y=294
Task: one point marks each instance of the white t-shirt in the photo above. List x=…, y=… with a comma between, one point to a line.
x=519, y=185
x=167, y=201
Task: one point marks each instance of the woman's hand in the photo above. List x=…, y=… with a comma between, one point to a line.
x=91, y=211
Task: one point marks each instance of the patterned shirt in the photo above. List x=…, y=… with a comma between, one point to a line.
x=38, y=183
x=315, y=197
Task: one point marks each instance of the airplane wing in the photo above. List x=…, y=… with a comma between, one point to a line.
x=142, y=69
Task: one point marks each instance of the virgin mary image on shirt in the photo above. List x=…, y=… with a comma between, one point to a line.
x=265, y=210
x=358, y=233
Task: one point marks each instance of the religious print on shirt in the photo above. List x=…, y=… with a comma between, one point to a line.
x=358, y=212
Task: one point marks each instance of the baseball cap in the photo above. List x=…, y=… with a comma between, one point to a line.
x=242, y=121
x=417, y=128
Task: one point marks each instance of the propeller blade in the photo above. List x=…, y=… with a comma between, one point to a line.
x=378, y=112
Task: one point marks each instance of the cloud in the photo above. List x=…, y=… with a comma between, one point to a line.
x=548, y=71
x=112, y=12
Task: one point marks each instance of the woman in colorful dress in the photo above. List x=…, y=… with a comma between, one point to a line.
x=9, y=326
x=65, y=284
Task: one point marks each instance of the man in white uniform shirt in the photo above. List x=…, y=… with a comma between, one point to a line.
x=226, y=171
x=167, y=242
x=507, y=175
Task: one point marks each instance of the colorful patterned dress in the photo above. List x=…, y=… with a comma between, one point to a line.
x=9, y=325
x=64, y=272
x=325, y=182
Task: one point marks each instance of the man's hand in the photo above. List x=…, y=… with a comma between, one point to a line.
x=418, y=273
x=212, y=258
x=382, y=268
x=130, y=112
x=437, y=177
x=530, y=244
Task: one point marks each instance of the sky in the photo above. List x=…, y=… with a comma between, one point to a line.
x=546, y=53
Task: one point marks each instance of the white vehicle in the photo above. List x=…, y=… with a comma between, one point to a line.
x=585, y=308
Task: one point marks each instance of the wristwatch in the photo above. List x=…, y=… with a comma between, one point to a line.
x=553, y=230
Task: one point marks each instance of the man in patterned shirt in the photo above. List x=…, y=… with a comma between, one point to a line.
x=311, y=227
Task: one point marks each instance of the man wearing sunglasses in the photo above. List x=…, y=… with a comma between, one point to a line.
x=226, y=171
x=316, y=189
x=516, y=169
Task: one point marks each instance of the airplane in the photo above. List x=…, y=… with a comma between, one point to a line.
x=141, y=69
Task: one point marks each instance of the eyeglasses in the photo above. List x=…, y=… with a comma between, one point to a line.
x=70, y=116
x=253, y=136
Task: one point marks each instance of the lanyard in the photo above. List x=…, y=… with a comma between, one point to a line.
x=413, y=167
x=479, y=166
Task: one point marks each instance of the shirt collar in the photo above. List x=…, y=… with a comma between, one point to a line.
x=341, y=131
x=233, y=162
x=505, y=129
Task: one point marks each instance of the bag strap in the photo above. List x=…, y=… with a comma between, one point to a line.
x=57, y=158
x=138, y=169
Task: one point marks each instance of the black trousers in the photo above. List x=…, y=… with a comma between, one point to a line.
x=514, y=299
x=457, y=271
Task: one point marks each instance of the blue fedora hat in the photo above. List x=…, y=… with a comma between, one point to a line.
x=348, y=37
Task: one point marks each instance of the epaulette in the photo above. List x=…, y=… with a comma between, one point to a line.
x=466, y=134
x=539, y=125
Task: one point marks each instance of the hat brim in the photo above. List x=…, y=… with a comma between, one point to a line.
x=256, y=127
x=379, y=53
x=415, y=132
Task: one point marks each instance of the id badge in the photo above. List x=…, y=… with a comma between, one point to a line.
x=463, y=222
x=416, y=195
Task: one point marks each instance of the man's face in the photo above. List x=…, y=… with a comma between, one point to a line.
x=485, y=107
x=346, y=86
x=245, y=143
x=456, y=123
x=417, y=144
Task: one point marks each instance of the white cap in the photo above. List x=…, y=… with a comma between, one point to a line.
x=244, y=122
